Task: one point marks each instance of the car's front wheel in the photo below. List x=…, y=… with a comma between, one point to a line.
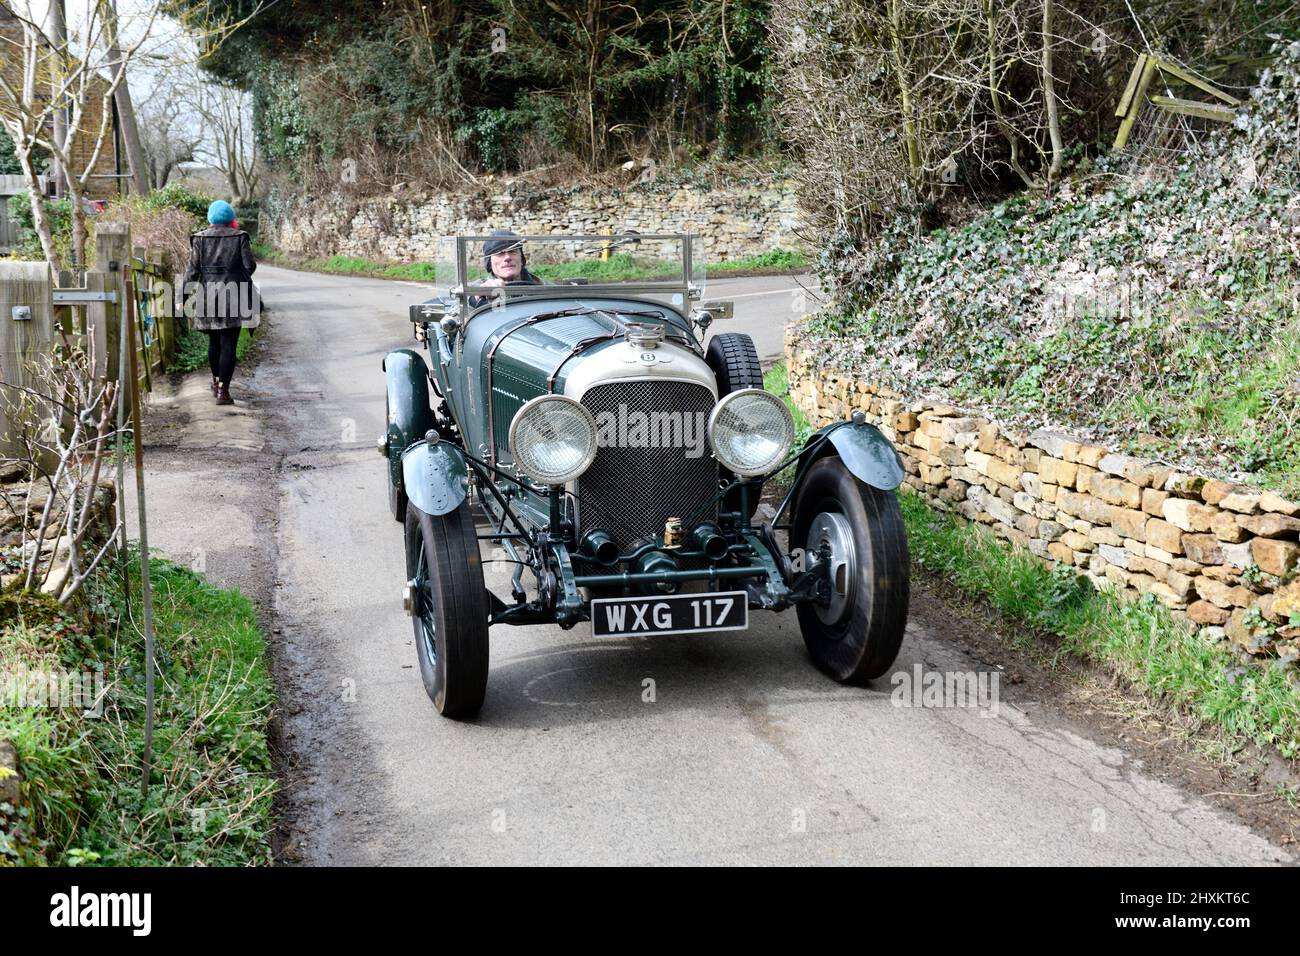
x=854, y=628
x=449, y=608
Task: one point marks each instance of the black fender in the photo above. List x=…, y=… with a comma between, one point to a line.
x=435, y=477
x=409, y=417
x=866, y=452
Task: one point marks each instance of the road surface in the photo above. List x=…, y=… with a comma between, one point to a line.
x=722, y=749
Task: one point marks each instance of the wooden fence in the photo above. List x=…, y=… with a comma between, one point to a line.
x=37, y=307
x=1136, y=94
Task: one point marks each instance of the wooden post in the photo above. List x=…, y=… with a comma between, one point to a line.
x=165, y=310
x=63, y=315
x=132, y=374
x=23, y=286
x=139, y=281
x=1135, y=94
x=95, y=341
x=112, y=244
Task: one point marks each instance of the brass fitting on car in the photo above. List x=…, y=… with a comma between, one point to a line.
x=672, y=532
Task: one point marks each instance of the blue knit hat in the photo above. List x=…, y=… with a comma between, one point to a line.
x=220, y=213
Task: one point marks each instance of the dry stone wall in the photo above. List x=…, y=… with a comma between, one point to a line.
x=1223, y=555
x=735, y=222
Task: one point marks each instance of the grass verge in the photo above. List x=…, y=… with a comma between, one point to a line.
x=618, y=268
x=211, y=786
x=777, y=381
x=1140, y=640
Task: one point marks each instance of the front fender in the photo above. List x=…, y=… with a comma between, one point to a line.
x=435, y=476
x=867, y=454
x=409, y=416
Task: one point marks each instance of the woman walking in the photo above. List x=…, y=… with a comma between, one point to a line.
x=219, y=291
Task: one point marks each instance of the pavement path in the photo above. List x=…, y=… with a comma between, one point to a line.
x=744, y=753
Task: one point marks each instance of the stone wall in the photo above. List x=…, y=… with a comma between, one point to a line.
x=734, y=222
x=1222, y=555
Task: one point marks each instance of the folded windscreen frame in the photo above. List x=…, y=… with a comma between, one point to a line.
x=667, y=268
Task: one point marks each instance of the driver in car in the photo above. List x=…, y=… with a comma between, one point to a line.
x=504, y=260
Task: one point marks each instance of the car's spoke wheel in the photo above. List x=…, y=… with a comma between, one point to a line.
x=855, y=626
x=449, y=608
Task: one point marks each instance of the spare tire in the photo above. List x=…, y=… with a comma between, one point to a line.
x=734, y=361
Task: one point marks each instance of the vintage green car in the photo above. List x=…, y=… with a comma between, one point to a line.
x=587, y=430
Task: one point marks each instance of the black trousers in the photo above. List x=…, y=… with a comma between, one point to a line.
x=221, y=353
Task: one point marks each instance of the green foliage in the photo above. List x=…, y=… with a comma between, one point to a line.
x=36, y=637
x=337, y=79
x=486, y=132
x=281, y=126
x=59, y=213
x=1140, y=640
x=192, y=350
x=777, y=381
x=182, y=197
x=212, y=783
x=9, y=165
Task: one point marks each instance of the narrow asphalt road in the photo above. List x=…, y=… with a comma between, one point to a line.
x=721, y=749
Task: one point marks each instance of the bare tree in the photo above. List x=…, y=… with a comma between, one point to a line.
x=887, y=105
x=122, y=99
x=167, y=136
x=79, y=72
x=226, y=141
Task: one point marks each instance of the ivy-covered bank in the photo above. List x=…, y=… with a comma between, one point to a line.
x=1152, y=310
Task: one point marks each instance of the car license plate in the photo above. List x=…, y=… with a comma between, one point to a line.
x=670, y=614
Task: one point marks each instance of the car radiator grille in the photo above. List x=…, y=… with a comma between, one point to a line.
x=632, y=491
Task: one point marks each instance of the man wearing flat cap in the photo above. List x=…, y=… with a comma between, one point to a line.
x=503, y=258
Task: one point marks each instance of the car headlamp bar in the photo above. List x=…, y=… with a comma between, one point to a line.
x=528, y=486
x=486, y=482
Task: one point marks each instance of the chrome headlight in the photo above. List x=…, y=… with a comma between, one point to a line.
x=751, y=431
x=553, y=439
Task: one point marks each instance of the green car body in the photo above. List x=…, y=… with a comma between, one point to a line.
x=649, y=518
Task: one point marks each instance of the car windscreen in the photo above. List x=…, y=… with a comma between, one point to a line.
x=504, y=268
